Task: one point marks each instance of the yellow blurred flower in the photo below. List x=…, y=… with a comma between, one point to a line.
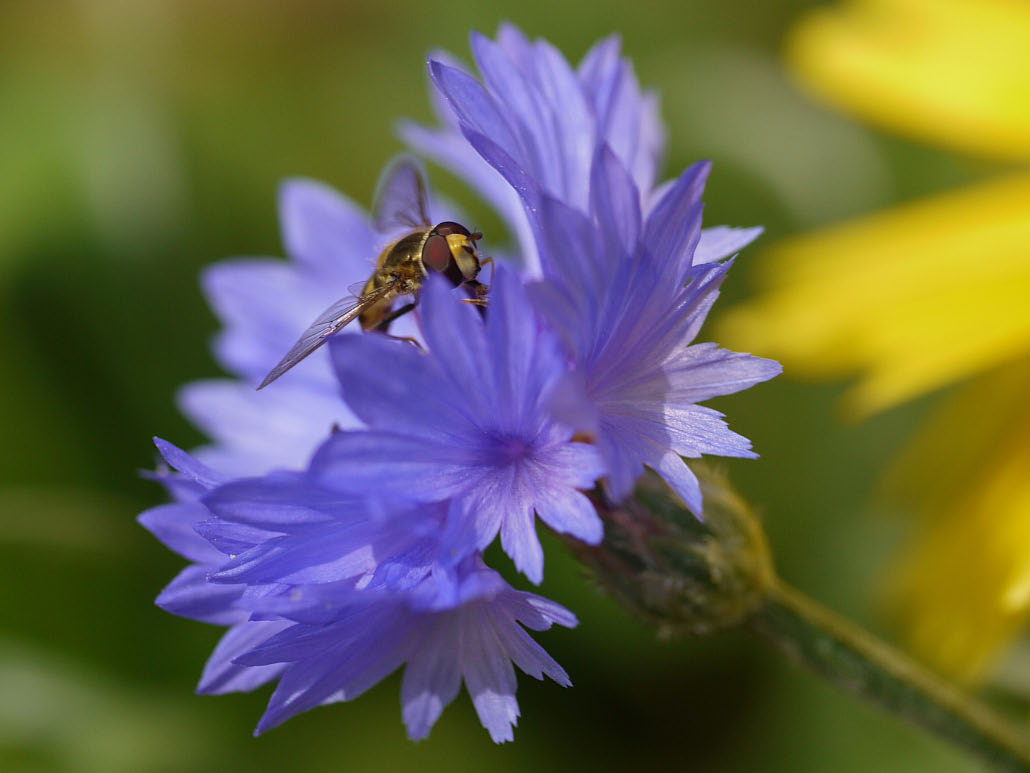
x=924, y=295
x=963, y=586
x=954, y=72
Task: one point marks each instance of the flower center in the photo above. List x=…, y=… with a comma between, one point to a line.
x=510, y=450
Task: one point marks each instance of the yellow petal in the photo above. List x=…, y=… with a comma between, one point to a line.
x=912, y=298
x=954, y=72
x=962, y=439
x=962, y=591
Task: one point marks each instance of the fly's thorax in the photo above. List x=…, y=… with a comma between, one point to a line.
x=404, y=253
x=400, y=266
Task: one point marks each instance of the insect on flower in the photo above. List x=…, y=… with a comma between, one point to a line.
x=448, y=248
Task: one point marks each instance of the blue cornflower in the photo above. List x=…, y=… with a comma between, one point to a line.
x=629, y=274
x=628, y=297
x=469, y=423
x=191, y=594
x=546, y=114
x=342, y=538
x=331, y=594
x=461, y=626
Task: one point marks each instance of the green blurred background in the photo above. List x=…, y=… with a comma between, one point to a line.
x=142, y=140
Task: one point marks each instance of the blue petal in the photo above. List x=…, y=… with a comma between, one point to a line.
x=525, y=184
x=264, y=304
x=703, y=371
x=722, y=241
x=475, y=108
x=174, y=526
x=373, y=462
x=570, y=512
x=391, y=384
x=599, y=71
x=696, y=430
x=519, y=540
x=503, y=501
x=615, y=200
x=575, y=129
x=674, y=225
x=650, y=141
x=471, y=525
x=570, y=404
x=536, y=150
x=516, y=45
x=342, y=674
x=331, y=554
x=458, y=344
x=325, y=612
x=490, y=678
x=527, y=360
x=627, y=118
x=324, y=229
x=571, y=248
x=294, y=418
x=441, y=106
x=222, y=676
x=300, y=642
x=677, y=474
x=278, y=502
x=478, y=582
x=233, y=538
x=529, y=656
x=191, y=595
x=432, y=677
x=624, y=448
x=187, y=465
x=699, y=298
x=539, y=614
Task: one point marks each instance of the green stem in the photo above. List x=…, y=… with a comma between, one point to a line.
x=688, y=577
x=857, y=661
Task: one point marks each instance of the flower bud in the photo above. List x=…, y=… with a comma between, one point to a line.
x=674, y=571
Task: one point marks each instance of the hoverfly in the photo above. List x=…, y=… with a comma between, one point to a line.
x=447, y=248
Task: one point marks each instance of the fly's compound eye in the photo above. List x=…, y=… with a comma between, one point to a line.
x=448, y=227
x=436, y=256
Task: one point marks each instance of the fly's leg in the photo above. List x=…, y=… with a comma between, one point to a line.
x=493, y=265
x=383, y=326
x=406, y=339
x=477, y=295
x=479, y=303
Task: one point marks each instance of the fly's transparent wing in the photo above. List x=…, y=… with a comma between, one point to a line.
x=330, y=321
x=400, y=200
x=357, y=289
